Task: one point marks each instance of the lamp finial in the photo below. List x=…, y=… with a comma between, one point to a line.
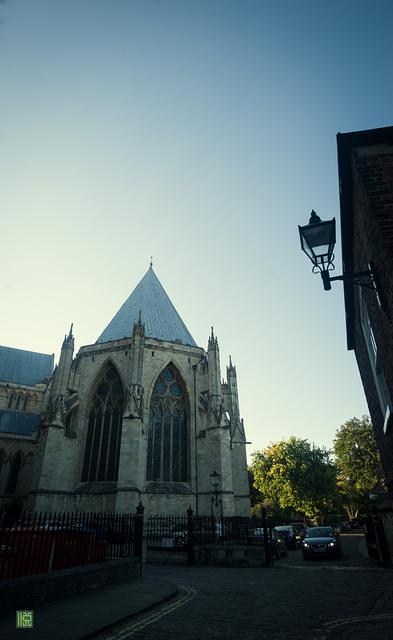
x=314, y=218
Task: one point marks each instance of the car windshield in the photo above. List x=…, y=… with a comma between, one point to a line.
x=283, y=529
x=320, y=532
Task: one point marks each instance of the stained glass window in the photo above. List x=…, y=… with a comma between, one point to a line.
x=168, y=437
x=102, y=450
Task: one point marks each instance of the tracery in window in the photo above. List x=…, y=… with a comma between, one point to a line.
x=101, y=460
x=168, y=437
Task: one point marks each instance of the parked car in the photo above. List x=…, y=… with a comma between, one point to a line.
x=203, y=534
x=279, y=547
x=291, y=536
x=321, y=542
x=300, y=528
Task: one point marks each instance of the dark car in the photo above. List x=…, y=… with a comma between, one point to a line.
x=321, y=542
x=205, y=533
x=291, y=536
x=300, y=528
x=279, y=547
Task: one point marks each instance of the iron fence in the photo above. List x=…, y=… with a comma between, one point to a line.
x=172, y=539
x=43, y=542
x=166, y=539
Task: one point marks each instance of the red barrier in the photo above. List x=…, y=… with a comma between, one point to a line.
x=28, y=552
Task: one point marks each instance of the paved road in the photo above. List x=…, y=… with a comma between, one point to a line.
x=293, y=600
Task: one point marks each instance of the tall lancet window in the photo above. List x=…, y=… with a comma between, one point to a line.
x=168, y=441
x=101, y=461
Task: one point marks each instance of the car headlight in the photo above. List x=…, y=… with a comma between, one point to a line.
x=305, y=544
x=332, y=544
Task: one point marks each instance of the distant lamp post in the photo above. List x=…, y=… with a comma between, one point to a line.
x=317, y=240
x=216, y=501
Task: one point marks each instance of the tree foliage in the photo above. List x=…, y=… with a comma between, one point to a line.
x=358, y=463
x=293, y=474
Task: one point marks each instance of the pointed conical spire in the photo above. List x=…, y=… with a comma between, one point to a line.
x=160, y=317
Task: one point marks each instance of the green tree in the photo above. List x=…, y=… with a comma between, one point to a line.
x=255, y=495
x=358, y=464
x=292, y=474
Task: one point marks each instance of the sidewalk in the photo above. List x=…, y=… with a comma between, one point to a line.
x=80, y=615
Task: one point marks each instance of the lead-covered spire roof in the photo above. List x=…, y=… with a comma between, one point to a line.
x=149, y=304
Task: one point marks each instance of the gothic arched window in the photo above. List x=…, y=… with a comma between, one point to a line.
x=168, y=439
x=101, y=461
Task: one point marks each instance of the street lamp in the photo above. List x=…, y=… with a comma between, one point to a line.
x=216, y=501
x=317, y=240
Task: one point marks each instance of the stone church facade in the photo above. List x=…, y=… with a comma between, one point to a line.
x=142, y=414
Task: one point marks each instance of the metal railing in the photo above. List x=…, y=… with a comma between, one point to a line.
x=43, y=542
x=174, y=538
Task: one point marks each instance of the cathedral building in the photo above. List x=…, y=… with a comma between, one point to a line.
x=141, y=414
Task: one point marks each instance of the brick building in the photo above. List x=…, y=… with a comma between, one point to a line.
x=365, y=164
x=142, y=412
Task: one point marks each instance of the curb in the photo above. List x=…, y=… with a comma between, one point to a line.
x=172, y=593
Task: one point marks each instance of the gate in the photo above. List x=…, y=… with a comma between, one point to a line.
x=377, y=545
x=173, y=539
x=167, y=539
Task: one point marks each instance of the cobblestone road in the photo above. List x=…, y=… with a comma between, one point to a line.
x=293, y=600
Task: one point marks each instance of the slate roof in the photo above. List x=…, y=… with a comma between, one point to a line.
x=18, y=422
x=158, y=314
x=24, y=367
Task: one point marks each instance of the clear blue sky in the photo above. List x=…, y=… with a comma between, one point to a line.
x=202, y=133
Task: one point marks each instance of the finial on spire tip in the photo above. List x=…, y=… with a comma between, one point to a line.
x=151, y=261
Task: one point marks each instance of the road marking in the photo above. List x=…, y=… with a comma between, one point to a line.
x=373, y=618
x=138, y=625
